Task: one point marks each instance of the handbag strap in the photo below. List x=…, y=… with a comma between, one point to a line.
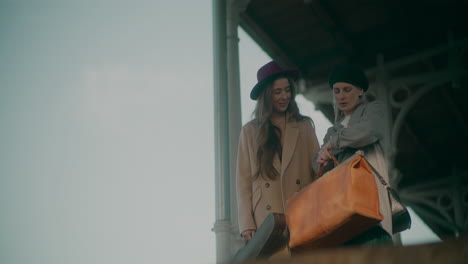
x=382, y=180
x=320, y=170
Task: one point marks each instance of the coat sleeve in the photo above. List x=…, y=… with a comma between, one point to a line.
x=313, y=146
x=369, y=129
x=244, y=184
x=331, y=131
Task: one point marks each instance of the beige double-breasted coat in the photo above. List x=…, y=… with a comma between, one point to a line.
x=262, y=196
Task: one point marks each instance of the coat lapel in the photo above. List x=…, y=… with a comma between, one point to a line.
x=277, y=163
x=292, y=132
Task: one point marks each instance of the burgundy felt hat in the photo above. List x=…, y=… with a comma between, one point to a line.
x=268, y=72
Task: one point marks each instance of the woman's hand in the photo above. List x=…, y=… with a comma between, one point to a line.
x=247, y=235
x=324, y=154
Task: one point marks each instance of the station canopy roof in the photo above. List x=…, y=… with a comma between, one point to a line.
x=421, y=39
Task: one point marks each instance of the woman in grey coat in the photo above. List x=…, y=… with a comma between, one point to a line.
x=358, y=126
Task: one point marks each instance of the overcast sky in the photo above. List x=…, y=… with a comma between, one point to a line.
x=107, y=131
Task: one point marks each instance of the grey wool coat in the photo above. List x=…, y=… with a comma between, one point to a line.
x=262, y=196
x=364, y=132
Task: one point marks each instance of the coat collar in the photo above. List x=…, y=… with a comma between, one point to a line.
x=357, y=113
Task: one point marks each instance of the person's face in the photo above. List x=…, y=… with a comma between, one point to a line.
x=281, y=95
x=347, y=96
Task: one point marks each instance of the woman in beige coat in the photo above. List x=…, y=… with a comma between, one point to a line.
x=358, y=126
x=276, y=150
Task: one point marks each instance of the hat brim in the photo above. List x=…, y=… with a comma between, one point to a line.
x=258, y=88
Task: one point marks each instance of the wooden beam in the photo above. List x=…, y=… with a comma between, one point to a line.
x=451, y=251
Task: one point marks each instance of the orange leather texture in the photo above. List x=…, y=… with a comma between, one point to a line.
x=336, y=207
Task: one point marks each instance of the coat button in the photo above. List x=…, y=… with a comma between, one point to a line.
x=298, y=181
x=267, y=185
x=268, y=207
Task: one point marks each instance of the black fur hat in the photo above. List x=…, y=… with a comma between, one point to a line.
x=348, y=73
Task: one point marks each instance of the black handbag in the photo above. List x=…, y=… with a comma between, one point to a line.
x=401, y=219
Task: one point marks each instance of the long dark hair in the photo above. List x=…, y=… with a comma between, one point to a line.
x=267, y=135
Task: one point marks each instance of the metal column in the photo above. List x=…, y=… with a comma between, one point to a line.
x=384, y=94
x=222, y=225
x=227, y=107
x=234, y=108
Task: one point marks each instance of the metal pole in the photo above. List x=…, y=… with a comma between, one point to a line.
x=234, y=104
x=384, y=94
x=222, y=225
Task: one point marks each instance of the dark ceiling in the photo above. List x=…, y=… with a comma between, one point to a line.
x=316, y=35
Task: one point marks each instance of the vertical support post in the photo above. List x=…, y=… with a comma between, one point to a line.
x=459, y=213
x=457, y=198
x=222, y=225
x=234, y=111
x=384, y=93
